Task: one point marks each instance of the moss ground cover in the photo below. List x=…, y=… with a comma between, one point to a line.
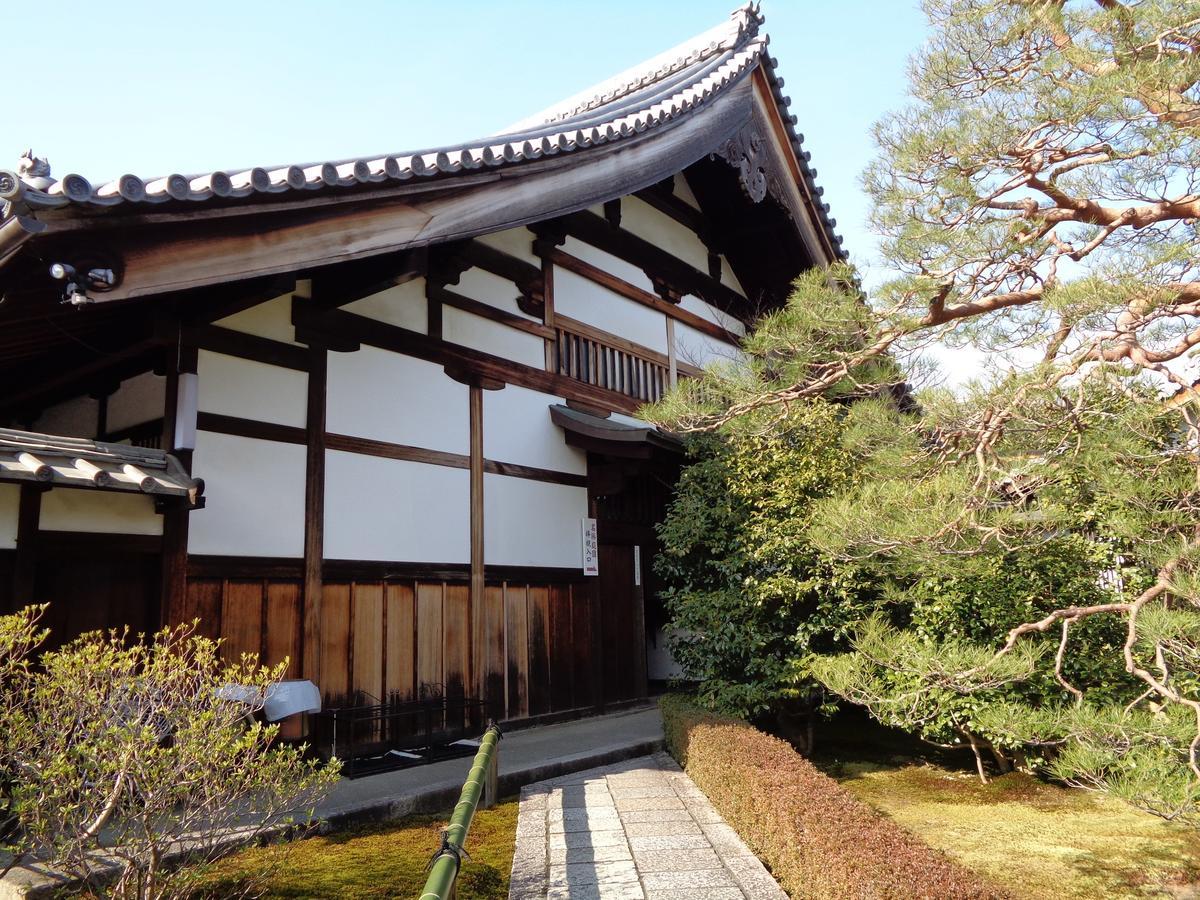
x=1036, y=840
x=373, y=862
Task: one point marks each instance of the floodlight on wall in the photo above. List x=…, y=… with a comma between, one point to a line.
x=187, y=406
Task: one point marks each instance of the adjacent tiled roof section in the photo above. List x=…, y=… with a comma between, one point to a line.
x=586, y=424
x=58, y=461
x=647, y=96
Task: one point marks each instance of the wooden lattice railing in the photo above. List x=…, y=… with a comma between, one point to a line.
x=605, y=361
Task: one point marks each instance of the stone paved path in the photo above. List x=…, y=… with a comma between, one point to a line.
x=636, y=830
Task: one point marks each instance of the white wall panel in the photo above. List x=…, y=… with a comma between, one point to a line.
x=729, y=279
x=642, y=219
x=516, y=242
x=517, y=429
x=478, y=333
x=10, y=498
x=138, y=399
x=609, y=263
x=272, y=319
x=403, y=305
x=252, y=390
x=103, y=512
x=532, y=523
x=711, y=313
x=698, y=349
x=396, y=510
x=588, y=302
x=72, y=418
x=255, y=497
x=376, y=394
x=684, y=193
x=492, y=290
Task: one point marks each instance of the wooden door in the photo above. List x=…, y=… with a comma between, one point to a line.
x=97, y=586
x=621, y=612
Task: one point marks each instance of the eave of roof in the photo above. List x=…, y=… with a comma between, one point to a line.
x=653, y=95
x=612, y=431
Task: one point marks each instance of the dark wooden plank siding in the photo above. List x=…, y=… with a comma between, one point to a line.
x=516, y=599
x=561, y=649
x=400, y=666
x=366, y=636
x=539, y=651
x=528, y=648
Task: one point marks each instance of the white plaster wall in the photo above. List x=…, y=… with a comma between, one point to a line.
x=729, y=279
x=492, y=290
x=252, y=390
x=103, y=512
x=588, y=302
x=684, y=192
x=385, y=396
x=642, y=219
x=707, y=311
x=698, y=349
x=606, y=261
x=478, y=333
x=138, y=399
x=403, y=305
x=516, y=242
x=255, y=497
x=517, y=429
x=395, y=510
x=272, y=319
x=10, y=498
x=532, y=523
x=73, y=418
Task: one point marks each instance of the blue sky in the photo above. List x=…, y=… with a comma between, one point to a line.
x=152, y=88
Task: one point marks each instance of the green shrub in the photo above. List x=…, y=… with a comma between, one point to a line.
x=817, y=839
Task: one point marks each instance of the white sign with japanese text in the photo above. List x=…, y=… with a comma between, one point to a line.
x=591, y=548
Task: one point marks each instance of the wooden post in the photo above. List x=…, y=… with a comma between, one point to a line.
x=475, y=602
x=548, y=313
x=672, y=361
x=29, y=513
x=173, y=589
x=314, y=515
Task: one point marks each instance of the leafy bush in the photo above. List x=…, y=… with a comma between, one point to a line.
x=748, y=593
x=817, y=839
x=121, y=753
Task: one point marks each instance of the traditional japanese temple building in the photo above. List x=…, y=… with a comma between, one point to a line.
x=363, y=413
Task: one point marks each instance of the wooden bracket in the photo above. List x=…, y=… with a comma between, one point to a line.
x=612, y=212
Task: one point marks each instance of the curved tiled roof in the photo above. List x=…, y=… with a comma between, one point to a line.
x=649, y=96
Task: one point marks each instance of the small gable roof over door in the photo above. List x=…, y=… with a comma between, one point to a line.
x=716, y=96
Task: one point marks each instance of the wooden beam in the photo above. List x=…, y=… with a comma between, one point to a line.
x=656, y=262
x=475, y=601
x=251, y=428
x=373, y=333
x=632, y=292
x=486, y=311
x=314, y=514
x=29, y=513
x=679, y=210
x=217, y=339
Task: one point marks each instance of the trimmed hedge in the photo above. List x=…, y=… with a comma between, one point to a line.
x=817, y=839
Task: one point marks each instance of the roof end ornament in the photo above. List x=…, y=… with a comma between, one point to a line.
x=34, y=171
x=748, y=18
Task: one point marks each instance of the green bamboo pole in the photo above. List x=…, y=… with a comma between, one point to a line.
x=444, y=869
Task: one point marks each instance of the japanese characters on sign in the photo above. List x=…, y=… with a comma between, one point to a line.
x=591, y=548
